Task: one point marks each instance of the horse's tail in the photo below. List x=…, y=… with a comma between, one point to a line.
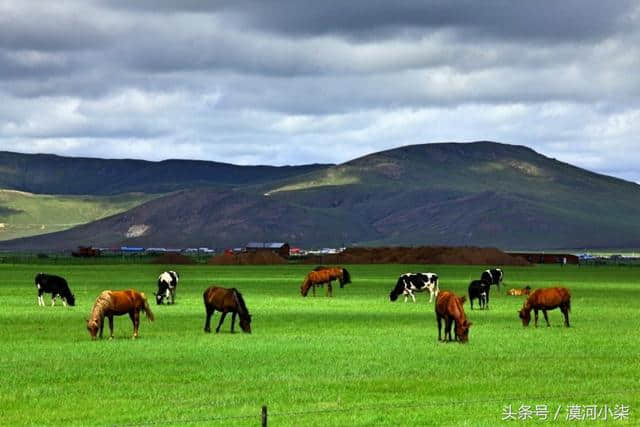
x=146, y=308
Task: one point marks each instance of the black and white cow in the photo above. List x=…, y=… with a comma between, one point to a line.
x=479, y=289
x=492, y=276
x=409, y=283
x=56, y=286
x=167, y=284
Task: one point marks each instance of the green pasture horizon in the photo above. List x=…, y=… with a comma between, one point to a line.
x=354, y=359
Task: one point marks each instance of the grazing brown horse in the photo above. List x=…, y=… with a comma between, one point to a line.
x=321, y=275
x=117, y=303
x=449, y=307
x=546, y=299
x=226, y=300
x=516, y=292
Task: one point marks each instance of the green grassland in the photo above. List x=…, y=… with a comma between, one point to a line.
x=26, y=214
x=355, y=359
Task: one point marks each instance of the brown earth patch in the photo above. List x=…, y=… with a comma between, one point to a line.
x=247, y=258
x=467, y=255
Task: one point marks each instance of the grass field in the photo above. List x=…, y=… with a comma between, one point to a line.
x=356, y=359
x=26, y=214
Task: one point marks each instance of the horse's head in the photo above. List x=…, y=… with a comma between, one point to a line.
x=304, y=288
x=525, y=315
x=245, y=323
x=93, y=327
x=462, y=330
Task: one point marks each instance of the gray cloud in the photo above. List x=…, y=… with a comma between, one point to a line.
x=288, y=82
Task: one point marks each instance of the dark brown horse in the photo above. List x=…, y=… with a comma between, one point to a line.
x=449, y=307
x=117, y=303
x=546, y=299
x=226, y=300
x=321, y=275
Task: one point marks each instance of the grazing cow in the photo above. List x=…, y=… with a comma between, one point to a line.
x=479, y=290
x=516, y=292
x=167, y=284
x=493, y=276
x=56, y=286
x=449, y=307
x=546, y=299
x=408, y=283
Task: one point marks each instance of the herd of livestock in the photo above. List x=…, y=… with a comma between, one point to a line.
x=448, y=306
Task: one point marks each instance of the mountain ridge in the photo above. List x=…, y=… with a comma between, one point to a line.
x=462, y=194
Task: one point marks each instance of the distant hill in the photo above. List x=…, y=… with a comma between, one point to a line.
x=27, y=214
x=51, y=174
x=480, y=194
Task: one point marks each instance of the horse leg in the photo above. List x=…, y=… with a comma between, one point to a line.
x=101, y=327
x=224, y=314
x=565, y=311
x=207, y=322
x=439, y=319
x=313, y=286
x=53, y=300
x=40, y=298
x=447, y=329
x=233, y=320
x=546, y=318
x=135, y=319
x=110, y=327
x=535, y=310
x=330, y=289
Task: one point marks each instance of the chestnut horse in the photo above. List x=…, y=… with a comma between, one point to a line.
x=226, y=300
x=546, y=299
x=449, y=307
x=321, y=275
x=117, y=303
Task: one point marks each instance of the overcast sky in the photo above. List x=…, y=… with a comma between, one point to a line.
x=293, y=82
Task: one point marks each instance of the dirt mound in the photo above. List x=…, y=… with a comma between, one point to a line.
x=466, y=255
x=248, y=258
x=173, y=259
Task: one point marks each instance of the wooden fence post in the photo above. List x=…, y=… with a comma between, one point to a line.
x=264, y=416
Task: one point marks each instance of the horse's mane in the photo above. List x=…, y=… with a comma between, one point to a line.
x=102, y=303
x=242, y=307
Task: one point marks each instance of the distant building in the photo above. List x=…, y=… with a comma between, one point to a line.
x=281, y=248
x=547, y=258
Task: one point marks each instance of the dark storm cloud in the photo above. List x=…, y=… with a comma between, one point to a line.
x=568, y=20
x=292, y=82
